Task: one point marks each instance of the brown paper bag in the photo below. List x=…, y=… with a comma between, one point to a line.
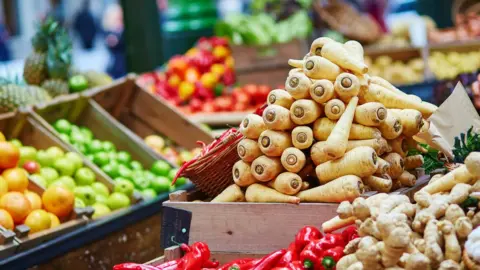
x=456, y=115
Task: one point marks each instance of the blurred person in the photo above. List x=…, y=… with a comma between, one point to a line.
x=115, y=41
x=4, y=50
x=84, y=24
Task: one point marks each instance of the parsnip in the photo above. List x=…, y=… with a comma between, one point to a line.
x=265, y=169
x=305, y=111
x=355, y=49
x=397, y=165
x=448, y=181
x=382, y=167
x=360, y=161
x=287, y=183
x=334, y=109
x=277, y=117
x=322, y=128
x=298, y=85
x=232, y=193
x=293, y=160
x=391, y=128
x=336, y=223
x=252, y=125
x=407, y=179
x=335, y=52
x=317, y=44
x=302, y=137
x=345, y=188
x=346, y=86
x=272, y=143
x=386, y=84
x=399, y=145
x=242, y=175
x=322, y=91
x=412, y=162
x=280, y=97
x=261, y=193
x=318, y=154
x=377, y=183
x=370, y=114
x=411, y=120
x=378, y=144
x=317, y=67
x=472, y=161
x=337, y=141
x=248, y=150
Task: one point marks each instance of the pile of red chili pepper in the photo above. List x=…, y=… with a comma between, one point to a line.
x=310, y=250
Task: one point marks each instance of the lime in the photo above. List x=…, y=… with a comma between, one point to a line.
x=77, y=83
x=63, y=126
x=87, y=133
x=149, y=175
x=124, y=157
x=112, y=156
x=141, y=183
x=90, y=157
x=160, y=184
x=136, y=166
x=172, y=173
x=101, y=159
x=65, y=138
x=108, y=146
x=94, y=146
x=160, y=168
x=111, y=169
x=149, y=193
x=124, y=171
x=77, y=137
x=80, y=147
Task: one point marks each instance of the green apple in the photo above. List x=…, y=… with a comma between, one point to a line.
x=124, y=186
x=90, y=157
x=124, y=157
x=111, y=169
x=77, y=137
x=40, y=180
x=64, y=166
x=49, y=174
x=56, y=152
x=108, y=146
x=87, y=133
x=113, y=156
x=84, y=176
x=161, y=184
x=124, y=171
x=94, y=146
x=16, y=142
x=172, y=188
x=27, y=153
x=63, y=126
x=118, y=200
x=136, y=166
x=101, y=158
x=75, y=158
x=80, y=147
x=45, y=159
x=101, y=198
x=180, y=181
x=149, y=193
x=160, y=168
x=79, y=203
x=149, y=175
x=100, y=210
x=86, y=193
x=141, y=182
x=68, y=181
x=100, y=189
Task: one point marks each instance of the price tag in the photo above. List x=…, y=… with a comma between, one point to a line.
x=175, y=226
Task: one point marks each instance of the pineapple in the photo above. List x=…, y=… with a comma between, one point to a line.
x=34, y=71
x=59, y=57
x=13, y=96
x=39, y=95
x=55, y=87
x=97, y=78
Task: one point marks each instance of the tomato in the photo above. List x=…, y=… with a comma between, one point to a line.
x=177, y=64
x=174, y=81
x=208, y=107
x=223, y=103
x=192, y=75
x=262, y=93
x=209, y=80
x=218, y=69
x=195, y=105
x=220, y=52
x=241, y=98
x=192, y=52
x=250, y=90
x=185, y=90
x=230, y=62
x=239, y=107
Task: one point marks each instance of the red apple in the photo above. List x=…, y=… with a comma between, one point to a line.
x=31, y=167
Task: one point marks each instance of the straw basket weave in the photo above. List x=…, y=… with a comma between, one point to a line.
x=212, y=172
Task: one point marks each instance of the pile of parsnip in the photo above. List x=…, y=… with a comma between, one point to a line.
x=433, y=233
x=333, y=122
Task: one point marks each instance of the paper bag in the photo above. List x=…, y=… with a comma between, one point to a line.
x=456, y=115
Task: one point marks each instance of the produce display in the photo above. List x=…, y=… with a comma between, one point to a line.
x=333, y=133
x=18, y=204
x=171, y=153
x=128, y=174
x=395, y=71
x=310, y=250
x=467, y=28
x=448, y=65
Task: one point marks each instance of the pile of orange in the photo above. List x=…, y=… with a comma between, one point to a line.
x=18, y=205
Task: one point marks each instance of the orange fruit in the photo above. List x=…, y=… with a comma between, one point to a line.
x=17, y=205
x=38, y=220
x=9, y=155
x=58, y=200
x=54, y=220
x=3, y=186
x=6, y=220
x=34, y=199
x=17, y=179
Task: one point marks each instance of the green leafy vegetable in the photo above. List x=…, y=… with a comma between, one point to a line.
x=431, y=161
x=465, y=144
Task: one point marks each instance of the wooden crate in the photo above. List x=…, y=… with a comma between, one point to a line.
x=8, y=244
x=146, y=114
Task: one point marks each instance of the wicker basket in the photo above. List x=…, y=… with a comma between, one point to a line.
x=212, y=172
x=347, y=20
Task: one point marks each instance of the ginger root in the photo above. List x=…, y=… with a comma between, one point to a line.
x=463, y=227
x=433, y=240
x=459, y=193
x=449, y=265
x=452, y=246
x=417, y=261
x=346, y=261
x=393, y=247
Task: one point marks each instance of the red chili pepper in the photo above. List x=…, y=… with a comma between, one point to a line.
x=168, y=265
x=348, y=233
x=210, y=264
x=269, y=261
x=306, y=235
x=289, y=256
x=239, y=261
x=244, y=266
x=196, y=258
x=331, y=257
x=296, y=265
x=134, y=266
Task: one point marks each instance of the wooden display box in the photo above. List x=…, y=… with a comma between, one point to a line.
x=146, y=114
x=8, y=244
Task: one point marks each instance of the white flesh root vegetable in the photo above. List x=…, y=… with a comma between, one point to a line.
x=248, y=150
x=396, y=165
x=322, y=91
x=305, y=111
x=323, y=127
x=293, y=160
x=298, y=85
x=317, y=153
x=337, y=223
x=433, y=239
x=411, y=120
x=399, y=145
x=377, y=183
x=277, y=118
x=302, y=137
x=360, y=161
x=391, y=128
x=334, y=109
x=317, y=67
x=384, y=83
x=412, y=162
x=345, y=188
x=261, y=193
x=382, y=167
x=335, y=52
x=378, y=144
x=355, y=49
x=472, y=161
x=448, y=181
x=317, y=45
x=242, y=175
x=232, y=193
x=265, y=169
x=452, y=246
x=280, y=97
x=287, y=183
x=347, y=86
x=252, y=125
x=407, y=179
x=273, y=143
x=337, y=140
x=370, y=114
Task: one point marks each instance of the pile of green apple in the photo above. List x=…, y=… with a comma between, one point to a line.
x=52, y=166
x=128, y=174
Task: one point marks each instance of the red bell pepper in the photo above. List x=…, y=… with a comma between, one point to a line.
x=306, y=235
x=349, y=233
x=331, y=240
x=311, y=254
x=289, y=256
x=235, y=262
x=269, y=261
x=194, y=260
x=330, y=257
